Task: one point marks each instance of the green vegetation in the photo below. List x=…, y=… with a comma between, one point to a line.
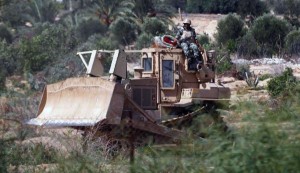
x=283, y=84
x=292, y=42
x=262, y=137
x=269, y=32
x=38, y=41
x=229, y=30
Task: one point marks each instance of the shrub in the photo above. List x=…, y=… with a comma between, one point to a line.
x=2, y=80
x=241, y=70
x=211, y=6
x=203, y=39
x=224, y=62
x=270, y=32
x=9, y=61
x=282, y=84
x=44, y=48
x=89, y=27
x=123, y=31
x=229, y=30
x=252, y=7
x=5, y=34
x=144, y=40
x=287, y=7
x=247, y=46
x=10, y=13
x=154, y=26
x=292, y=42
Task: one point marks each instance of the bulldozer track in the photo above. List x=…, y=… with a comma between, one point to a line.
x=187, y=116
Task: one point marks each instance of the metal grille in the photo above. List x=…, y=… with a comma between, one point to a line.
x=145, y=97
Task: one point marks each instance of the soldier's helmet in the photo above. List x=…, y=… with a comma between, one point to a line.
x=187, y=21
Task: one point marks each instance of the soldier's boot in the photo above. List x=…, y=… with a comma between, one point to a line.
x=199, y=62
x=190, y=63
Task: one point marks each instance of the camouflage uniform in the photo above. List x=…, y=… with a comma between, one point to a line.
x=187, y=39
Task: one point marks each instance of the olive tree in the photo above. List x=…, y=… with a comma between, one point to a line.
x=270, y=32
x=229, y=30
x=252, y=7
x=124, y=31
x=292, y=42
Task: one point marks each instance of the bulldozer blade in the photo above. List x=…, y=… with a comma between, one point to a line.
x=82, y=101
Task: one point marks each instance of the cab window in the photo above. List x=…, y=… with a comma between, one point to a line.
x=147, y=64
x=168, y=74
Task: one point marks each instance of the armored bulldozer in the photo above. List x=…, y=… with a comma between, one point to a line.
x=157, y=97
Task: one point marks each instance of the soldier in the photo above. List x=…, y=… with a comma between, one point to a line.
x=186, y=37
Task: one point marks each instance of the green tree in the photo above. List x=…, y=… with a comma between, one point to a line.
x=247, y=46
x=292, y=42
x=154, y=26
x=9, y=62
x=5, y=34
x=109, y=11
x=45, y=47
x=150, y=8
x=42, y=11
x=10, y=12
x=290, y=10
x=211, y=6
x=229, y=30
x=284, y=83
x=203, y=39
x=89, y=27
x=123, y=31
x=287, y=7
x=144, y=40
x=252, y=7
x=143, y=8
x=270, y=32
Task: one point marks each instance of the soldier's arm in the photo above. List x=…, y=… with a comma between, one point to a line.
x=179, y=33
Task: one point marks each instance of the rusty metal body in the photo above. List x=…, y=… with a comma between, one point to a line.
x=161, y=85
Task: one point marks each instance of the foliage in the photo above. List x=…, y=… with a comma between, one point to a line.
x=265, y=76
x=10, y=13
x=270, y=32
x=144, y=40
x=143, y=8
x=211, y=6
x=89, y=27
x=224, y=62
x=257, y=144
x=42, y=11
x=247, y=46
x=9, y=62
x=2, y=80
x=5, y=34
x=36, y=154
x=243, y=8
x=44, y=48
x=292, y=42
x=154, y=26
x=109, y=11
x=74, y=164
x=193, y=6
x=282, y=84
x=241, y=70
x=287, y=7
x=123, y=31
x=252, y=80
x=203, y=39
x=252, y=7
x=229, y=30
